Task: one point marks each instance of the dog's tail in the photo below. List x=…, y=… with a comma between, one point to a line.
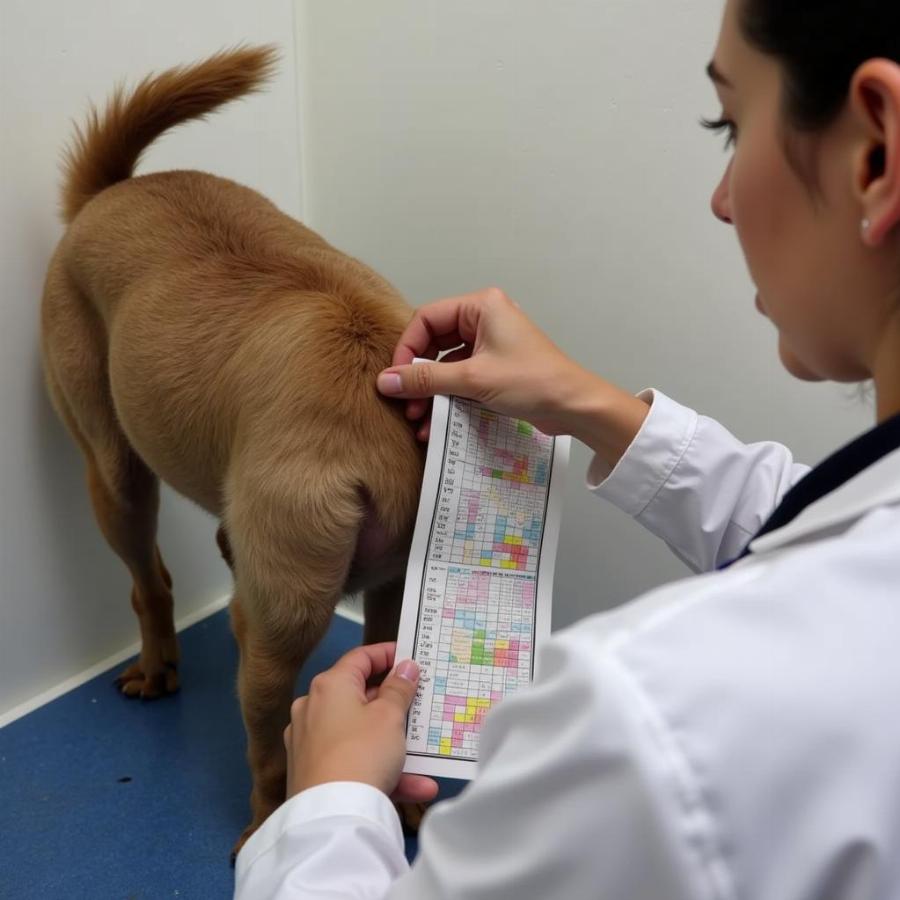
x=106, y=149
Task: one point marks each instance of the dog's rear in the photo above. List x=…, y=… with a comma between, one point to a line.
x=193, y=332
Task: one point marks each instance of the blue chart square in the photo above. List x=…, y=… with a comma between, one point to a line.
x=105, y=797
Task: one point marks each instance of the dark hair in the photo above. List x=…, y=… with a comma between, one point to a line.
x=819, y=45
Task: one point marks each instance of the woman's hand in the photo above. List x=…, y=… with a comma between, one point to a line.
x=344, y=730
x=506, y=362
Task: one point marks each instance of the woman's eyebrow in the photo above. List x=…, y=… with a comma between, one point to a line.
x=717, y=76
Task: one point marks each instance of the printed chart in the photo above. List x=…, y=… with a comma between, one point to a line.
x=477, y=596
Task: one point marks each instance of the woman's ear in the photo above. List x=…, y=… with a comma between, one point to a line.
x=875, y=102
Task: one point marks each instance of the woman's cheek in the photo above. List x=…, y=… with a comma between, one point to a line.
x=741, y=215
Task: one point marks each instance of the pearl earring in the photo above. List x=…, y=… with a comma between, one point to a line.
x=866, y=224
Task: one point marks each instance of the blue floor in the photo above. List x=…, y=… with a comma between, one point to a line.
x=105, y=797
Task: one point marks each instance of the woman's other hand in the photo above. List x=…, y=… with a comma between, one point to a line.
x=345, y=730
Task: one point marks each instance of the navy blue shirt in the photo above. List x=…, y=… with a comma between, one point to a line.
x=829, y=475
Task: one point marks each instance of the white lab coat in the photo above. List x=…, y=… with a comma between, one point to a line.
x=732, y=735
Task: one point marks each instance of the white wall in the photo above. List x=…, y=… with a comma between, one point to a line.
x=552, y=149
x=63, y=595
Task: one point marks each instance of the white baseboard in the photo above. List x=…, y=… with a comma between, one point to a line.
x=346, y=608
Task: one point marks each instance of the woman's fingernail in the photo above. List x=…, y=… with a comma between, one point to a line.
x=390, y=383
x=408, y=670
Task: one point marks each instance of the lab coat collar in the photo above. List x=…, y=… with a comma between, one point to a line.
x=876, y=485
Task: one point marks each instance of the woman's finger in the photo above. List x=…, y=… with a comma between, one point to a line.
x=366, y=661
x=416, y=409
x=415, y=789
x=297, y=708
x=418, y=382
x=441, y=320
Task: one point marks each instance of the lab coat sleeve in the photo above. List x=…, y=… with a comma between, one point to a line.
x=691, y=482
x=581, y=792
x=336, y=840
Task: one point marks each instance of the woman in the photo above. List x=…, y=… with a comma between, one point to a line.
x=734, y=734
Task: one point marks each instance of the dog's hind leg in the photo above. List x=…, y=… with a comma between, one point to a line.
x=125, y=497
x=123, y=491
x=293, y=543
x=381, y=607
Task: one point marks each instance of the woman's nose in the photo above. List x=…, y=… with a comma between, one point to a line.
x=721, y=200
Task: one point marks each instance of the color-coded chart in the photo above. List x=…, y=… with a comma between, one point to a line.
x=499, y=533
x=494, y=492
x=477, y=596
x=476, y=633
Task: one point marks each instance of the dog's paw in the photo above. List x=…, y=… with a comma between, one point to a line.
x=132, y=682
x=411, y=815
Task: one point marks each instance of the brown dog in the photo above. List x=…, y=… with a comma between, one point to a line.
x=193, y=332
